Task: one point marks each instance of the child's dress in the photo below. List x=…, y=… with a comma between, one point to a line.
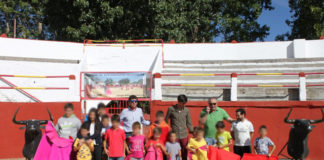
x=200, y=146
x=136, y=147
x=153, y=153
x=84, y=152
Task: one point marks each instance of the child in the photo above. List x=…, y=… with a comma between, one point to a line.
x=84, y=146
x=173, y=148
x=105, y=124
x=198, y=146
x=223, y=137
x=161, y=124
x=155, y=147
x=116, y=139
x=136, y=142
x=262, y=143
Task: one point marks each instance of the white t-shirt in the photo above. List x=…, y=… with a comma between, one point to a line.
x=242, y=131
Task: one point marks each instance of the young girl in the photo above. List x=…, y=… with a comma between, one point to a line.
x=83, y=146
x=95, y=132
x=198, y=146
x=136, y=143
x=154, y=146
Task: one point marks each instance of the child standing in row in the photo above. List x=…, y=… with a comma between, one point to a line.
x=262, y=143
x=160, y=123
x=173, y=147
x=84, y=146
x=115, y=140
x=198, y=146
x=223, y=137
x=136, y=143
x=154, y=147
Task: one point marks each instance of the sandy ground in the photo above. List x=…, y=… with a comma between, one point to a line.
x=117, y=92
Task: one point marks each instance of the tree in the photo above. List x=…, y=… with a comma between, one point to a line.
x=27, y=14
x=307, y=20
x=109, y=81
x=124, y=81
x=181, y=20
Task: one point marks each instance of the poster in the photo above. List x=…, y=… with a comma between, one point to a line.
x=117, y=85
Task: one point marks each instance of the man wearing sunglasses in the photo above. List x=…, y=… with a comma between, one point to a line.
x=209, y=117
x=132, y=114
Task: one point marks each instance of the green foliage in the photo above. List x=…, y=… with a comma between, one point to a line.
x=124, y=81
x=28, y=16
x=307, y=20
x=180, y=20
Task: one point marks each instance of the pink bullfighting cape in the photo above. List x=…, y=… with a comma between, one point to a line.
x=53, y=147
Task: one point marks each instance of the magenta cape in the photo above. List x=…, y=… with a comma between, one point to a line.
x=153, y=154
x=53, y=147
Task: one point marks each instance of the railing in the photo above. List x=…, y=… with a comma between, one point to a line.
x=234, y=84
x=22, y=89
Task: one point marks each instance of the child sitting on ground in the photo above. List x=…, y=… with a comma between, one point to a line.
x=116, y=145
x=160, y=123
x=173, y=147
x=223, y=137
x=198, y=146
x=84, y=146
x=262, y=143
x=136, y=143
x=154, y=147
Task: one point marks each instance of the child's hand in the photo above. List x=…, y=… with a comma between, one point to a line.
x=107, y=152
x=193, y=150
x=81, y=141
x=221, y=146
x=128, y=152
x=88, y=142
x=158, y=145
x=269, y=155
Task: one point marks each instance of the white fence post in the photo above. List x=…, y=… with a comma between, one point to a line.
x=302, y=86
x=233, y=87
x=72, y=85
x=157, y=86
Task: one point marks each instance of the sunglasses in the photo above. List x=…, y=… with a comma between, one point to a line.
x=212, y=103
x=133, y=101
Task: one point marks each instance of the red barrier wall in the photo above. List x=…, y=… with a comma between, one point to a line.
x=12, y=138
x=267, y=113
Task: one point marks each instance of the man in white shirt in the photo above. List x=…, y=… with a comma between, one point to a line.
x=242, y=132
x=132, y=114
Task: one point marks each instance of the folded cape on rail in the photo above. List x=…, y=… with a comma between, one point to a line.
x=53, y=147
x=247, y=156
x=220, y=154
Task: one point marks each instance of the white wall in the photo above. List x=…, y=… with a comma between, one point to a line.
x=105, y=59
x=226, y=51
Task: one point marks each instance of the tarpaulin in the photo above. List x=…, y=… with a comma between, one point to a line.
x=248, y=156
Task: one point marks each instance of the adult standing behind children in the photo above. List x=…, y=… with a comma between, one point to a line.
x=242, y=131
x=95, y=128
x=68, y=125
x=180, y=119
x=132, y=114
x=209, y=118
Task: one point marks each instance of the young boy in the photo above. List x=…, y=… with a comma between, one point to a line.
x=262, y=143
x=116, y=138
x=157, y=144
x=173, y=147
x=223, y=137
x=198, y=146
x=84, y=146
x=136, y=143
x=105, y=124
x=161, y=124
x=68, y=125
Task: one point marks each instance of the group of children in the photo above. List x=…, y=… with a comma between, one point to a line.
x=160, y=143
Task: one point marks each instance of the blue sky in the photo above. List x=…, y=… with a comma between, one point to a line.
x=276, y=18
